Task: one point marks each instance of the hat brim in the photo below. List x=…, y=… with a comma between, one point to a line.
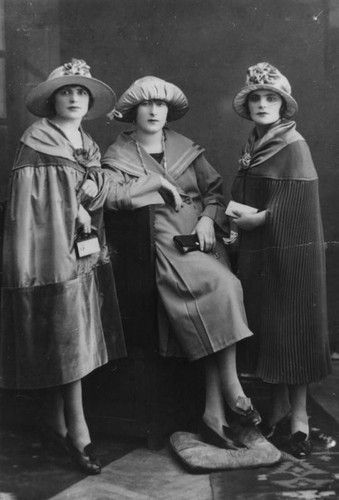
x=239, y=101
x=103, y=96
x=151, y=88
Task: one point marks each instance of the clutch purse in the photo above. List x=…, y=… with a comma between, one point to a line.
x=86, y=244
x=186, y=242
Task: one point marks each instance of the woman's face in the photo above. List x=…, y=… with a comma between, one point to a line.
x=151, y=116
x=71, y=102
x=264, y=106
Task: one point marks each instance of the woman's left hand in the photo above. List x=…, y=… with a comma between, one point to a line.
x=88, y=190
x=84, y=220
x=206, y=234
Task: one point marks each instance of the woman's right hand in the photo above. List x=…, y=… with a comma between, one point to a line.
x=170, y=194
x=249, y=222
x=88, y=190
x=84, y=220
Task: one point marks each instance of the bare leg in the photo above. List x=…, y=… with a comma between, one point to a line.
x=76, y=423
x=230, y=383
x=299, y=417
x=214, y=414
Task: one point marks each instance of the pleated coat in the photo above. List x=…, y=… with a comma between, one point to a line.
x=59, y=314
x=201, y=307
x=281, y=264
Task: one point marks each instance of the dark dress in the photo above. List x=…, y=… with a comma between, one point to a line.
x=281, y=264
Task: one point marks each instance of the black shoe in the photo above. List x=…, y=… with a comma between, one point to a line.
x=280, y=429
x=299, y=445
x=210, y=436
x=245, y=413
x=86, y=460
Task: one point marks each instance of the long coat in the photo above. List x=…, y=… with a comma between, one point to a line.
x=59, y=314
x=281, y=264
x=201, y=299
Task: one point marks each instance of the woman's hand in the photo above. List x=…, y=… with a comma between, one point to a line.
x=248, y=222
x=88, y=190
x=170, y=194
x=84, y=220
x=206, y=234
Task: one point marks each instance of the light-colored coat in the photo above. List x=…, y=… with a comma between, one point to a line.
x=201, y=300
x=53, y=304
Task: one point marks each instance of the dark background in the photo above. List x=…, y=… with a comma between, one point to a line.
x=203, y=46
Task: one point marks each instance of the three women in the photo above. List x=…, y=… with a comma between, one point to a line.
x=58, y=324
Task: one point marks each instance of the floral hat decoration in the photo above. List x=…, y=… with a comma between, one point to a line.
x=146, y=89
x=264, y=76
x=75, y=72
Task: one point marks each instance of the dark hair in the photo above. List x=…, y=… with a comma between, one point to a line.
x=51, y=99
x=283, y=107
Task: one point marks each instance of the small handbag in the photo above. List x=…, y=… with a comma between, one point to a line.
x=86, y=244
x=186, y=242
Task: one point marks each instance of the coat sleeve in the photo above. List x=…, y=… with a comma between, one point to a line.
x=211, y=190
x=292, y=203
x=129, y=193
x=98, y=176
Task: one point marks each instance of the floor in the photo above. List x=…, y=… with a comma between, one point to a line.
x=131, y=471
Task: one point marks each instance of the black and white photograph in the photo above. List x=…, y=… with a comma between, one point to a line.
x=169, y=249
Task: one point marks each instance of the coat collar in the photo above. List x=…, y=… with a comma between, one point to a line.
x=180, y=153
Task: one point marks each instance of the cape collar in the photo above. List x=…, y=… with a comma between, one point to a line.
x=180, y=153
x=257, y=151
x=46, y=137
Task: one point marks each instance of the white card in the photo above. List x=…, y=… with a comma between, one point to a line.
x=239, y=207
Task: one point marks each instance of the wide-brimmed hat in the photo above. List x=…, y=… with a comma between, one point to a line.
x=146, y=89
x=264, y=76
x=75, y=72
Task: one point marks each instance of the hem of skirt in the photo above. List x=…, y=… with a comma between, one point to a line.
x=46, y=385
x=294, y=381
x=203, y=353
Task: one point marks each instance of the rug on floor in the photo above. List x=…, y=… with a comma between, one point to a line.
x=313, y=478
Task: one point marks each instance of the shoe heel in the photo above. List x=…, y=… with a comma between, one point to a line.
x=86, y=460
x=213, y=438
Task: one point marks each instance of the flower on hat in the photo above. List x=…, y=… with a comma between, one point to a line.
x=75, y=72
x=76, y=67
x=265, y=76
x=261, y=73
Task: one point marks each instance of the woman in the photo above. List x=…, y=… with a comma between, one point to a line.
x=281, y=258
x=201, y=300
x=57, y=324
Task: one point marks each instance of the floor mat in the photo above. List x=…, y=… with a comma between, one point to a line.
x=313, y=478
x=29, y=471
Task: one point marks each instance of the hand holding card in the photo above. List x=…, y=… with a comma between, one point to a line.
x=234, y=209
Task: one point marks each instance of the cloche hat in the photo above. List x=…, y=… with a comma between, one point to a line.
x=75, y=72
x=146, y=89
x=264, y=76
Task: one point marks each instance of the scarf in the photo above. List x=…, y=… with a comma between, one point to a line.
x=277, y=137
x=46, y=137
